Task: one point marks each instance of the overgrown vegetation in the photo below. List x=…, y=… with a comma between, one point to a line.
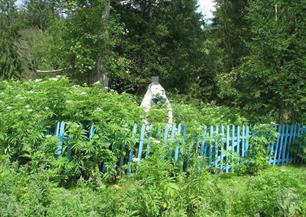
x=251, y=55
x=155, y=190
x=245, y=66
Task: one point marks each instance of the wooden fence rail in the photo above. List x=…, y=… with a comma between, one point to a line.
x=219, y=147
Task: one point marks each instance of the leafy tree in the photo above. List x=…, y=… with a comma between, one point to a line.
x=10, y=64
x=89, y=34
x=163, y=38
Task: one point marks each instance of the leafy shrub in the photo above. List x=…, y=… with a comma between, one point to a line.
x=28, y=109
x=258, y=153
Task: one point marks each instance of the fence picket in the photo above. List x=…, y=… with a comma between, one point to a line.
x=171, y=140
x=233, y=147
x=216, y=141
x=222, y=149
x=300, y=128
x=289, y=143
x=203, y=146
x=227, y=146
x=178, y=142
x=211, y=134
x=219, y=145
x=149, y=141
x=134, y=131
x=243, y=141
x=285, y=143
x=238, y=143
x=247, y=140
x=183, y=146
x=141, y=141
x=61, y=136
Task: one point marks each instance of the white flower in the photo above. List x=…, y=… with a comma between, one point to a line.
x=37, y=80
x=156, y=141
x=27, y=106
x=29, y=110
x=18, y=96
x=68, y=101
x=98, y=109
x=0, y=101
x=53, y=79
x=9, y=107
x=47, y=108
x=83, y=93
x=135, y=159
x=58, y=76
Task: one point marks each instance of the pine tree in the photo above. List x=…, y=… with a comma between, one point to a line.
x=272, y=76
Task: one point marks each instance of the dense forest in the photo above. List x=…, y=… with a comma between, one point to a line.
x=251, y=55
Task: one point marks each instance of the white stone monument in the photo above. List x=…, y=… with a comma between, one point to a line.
x=156, y=93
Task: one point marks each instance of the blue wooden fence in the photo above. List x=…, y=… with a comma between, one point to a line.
x=218, y=147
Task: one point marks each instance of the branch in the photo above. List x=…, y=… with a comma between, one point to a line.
x=53, y=70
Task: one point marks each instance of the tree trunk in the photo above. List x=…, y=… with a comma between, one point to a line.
x=99, y=73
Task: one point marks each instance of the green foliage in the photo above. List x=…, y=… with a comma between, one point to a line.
x=155, y=191
x=258, y=153
x=162, y=38
x=10, y=63
x=28, y=109
x=298, y=148
x=38, y=105
x=270, y=79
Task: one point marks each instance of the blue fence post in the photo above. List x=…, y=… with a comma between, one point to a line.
x=132, y=148
x=296, y=129
x=178, y=142
x=277, y=144
x=238, y=143
x=183, y=146
x=61, y=136
x=149, y=141
x=247, y=139
x=56, y=133
x=222, y=149
x=227, y=146
x=141, y=141
x=211, y=135
x=203, y=147
x=285, y=144
x=216, y=141
x=289, y=143
x=243, y=141
x=233, y=146
x=279, y=156
x=173, y=129
x=91, y=131
x=300, y=128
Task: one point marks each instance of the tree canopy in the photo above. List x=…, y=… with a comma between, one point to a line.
x=252, y=55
